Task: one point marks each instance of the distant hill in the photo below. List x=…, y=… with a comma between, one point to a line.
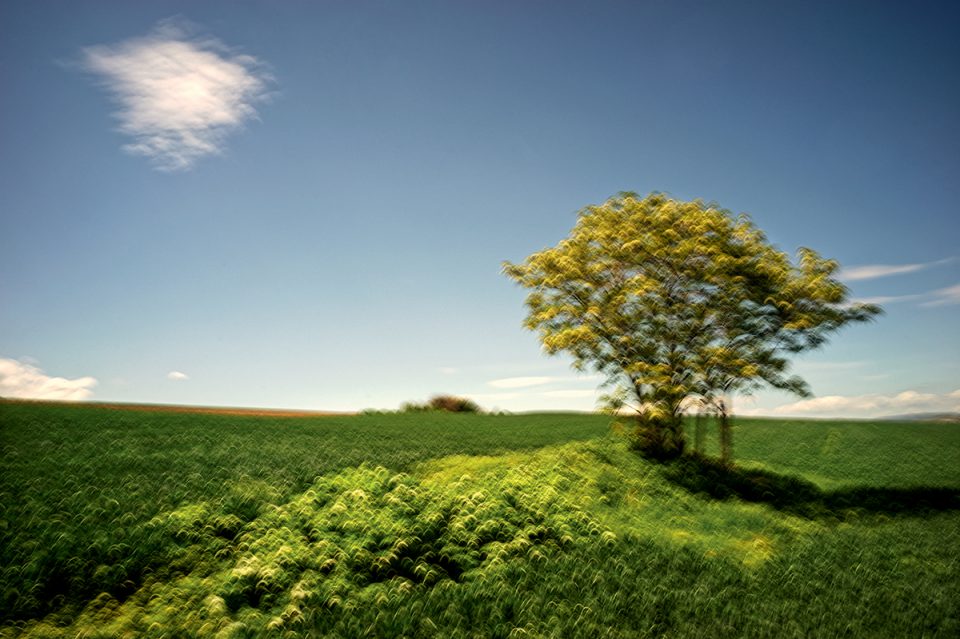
x=925, y=417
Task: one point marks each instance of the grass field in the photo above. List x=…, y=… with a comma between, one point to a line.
x=150, y=523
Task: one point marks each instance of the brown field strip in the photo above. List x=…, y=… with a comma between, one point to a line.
x=174, y=408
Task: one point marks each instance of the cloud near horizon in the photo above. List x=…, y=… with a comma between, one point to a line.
x=873, y=405
x=519, y=382
x=178, y=96
x=26, y=381
x=570, y=393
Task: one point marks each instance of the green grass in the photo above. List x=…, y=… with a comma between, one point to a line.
x=835, y=453
x=119, y=523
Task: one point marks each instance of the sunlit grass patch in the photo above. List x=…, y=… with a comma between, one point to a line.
x=363, y=530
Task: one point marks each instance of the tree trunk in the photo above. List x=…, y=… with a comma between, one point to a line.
x=660, y=430
x=677, y=440
x=726, y=435
x=700, y=435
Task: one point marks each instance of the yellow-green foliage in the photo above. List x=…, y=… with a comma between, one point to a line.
x=680, y=300
x=364, y=530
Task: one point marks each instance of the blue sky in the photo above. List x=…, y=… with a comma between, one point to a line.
x=306, y=205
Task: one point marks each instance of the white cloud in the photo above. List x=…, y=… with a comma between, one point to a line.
x=873, y=405
x=519, y=382
x=177, y=376
x=887, y=299
x=945, y=296
x=178, y=96
x=874, y=271
x=569, y=393
x=26, y=381
x=940, y=297
x=448, y=370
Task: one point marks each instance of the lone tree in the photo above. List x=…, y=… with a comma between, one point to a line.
x=680, y=302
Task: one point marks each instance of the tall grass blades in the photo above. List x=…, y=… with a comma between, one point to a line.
x=443, y=525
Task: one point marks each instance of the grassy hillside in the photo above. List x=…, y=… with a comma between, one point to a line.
x=115, y=523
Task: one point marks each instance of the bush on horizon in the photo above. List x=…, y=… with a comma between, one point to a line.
x=445, y=403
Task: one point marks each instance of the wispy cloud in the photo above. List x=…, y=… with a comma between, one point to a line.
x=944, y=296
x=889, y=299
x=448, y=370
x=867, y=405
x=874, y=271
x=570, y=393
x=177, y=376
x=26, y=381
x=940, y=297
x=519, y=382
x=178, y=95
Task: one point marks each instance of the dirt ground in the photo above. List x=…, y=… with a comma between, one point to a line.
x=171, y=408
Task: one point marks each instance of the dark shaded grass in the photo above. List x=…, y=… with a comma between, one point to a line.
x=797, y=496
x=834, y=453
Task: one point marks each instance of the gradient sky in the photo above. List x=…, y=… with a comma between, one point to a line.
x=306, y=205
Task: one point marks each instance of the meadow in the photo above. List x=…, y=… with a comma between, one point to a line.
x=135, y=523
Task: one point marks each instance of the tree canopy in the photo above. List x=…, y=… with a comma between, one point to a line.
x=674, y=301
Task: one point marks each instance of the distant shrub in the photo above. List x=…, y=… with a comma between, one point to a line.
x=446, y=403
x=414, y=407
x=453, y=404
